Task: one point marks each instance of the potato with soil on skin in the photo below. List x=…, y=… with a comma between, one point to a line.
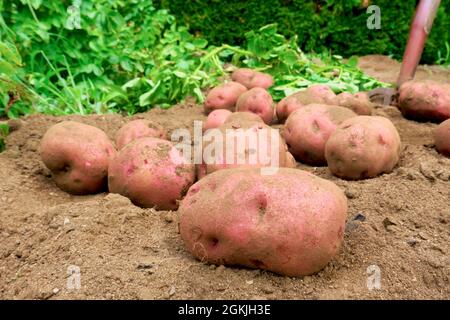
x=322, y=92
x=363, y=147
x=151, y=172
x=358, y=103
x=238, y=119
x=137, y=129
x=78, y=156
x=224, y=96
x=242, y=143
x=442, y=138
x=252, y=79
x=291, y=222
x=425, y=101
x=308, y=129
x=258, y=101
x=319, y=94
x=216, y=118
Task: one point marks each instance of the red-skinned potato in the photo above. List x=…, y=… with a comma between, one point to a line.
x=224, y=96
x=237, y=119
x=322, y=92
x=216, y=118
x=151, y=172
x=258, y=101
x=137, y=129
x=358, y=103
x=319, y=94
x=252, y=79
x=288, y=105
x=425, y=101
x=308, y=129
x=291, y=223
x=442, y=138
x=363, y=147
x=242, y=142
x=78, y=155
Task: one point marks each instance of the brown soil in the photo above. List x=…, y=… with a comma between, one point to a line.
x=125, y=252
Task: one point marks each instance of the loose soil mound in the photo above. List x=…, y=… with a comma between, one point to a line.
x=399, y=222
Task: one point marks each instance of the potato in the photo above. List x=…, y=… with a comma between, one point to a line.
x=238, y=119
x=363, y=147
x=224, y=96
x=77, y=155
x=425, y=101
x=308, y=129
x=137, y=129
x=358, y=103
x=242, y=144
x=151, y=172
x=442, y=138
x=252, y=79
x=216, y=118
x=320, y=94
x=259, y=101
x=291, y=223
x=243, y=76
x=288, y=105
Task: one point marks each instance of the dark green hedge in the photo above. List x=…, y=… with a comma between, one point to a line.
x=337, y=25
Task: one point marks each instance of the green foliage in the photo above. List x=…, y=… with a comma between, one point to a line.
x=336, y=25
x=4, y=131
x=127, y=56
x=292, y=69
x=444, y=57
x=15, y=96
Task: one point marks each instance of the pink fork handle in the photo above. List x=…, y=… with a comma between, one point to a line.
x=420, y=28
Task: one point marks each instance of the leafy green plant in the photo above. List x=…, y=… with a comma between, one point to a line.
x=292, y=69
x=444, y=57
x=15, y=95
x=321, y=25
x=4, y=131
x=129, y=57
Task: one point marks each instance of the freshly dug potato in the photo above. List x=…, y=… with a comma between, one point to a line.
x=308, y=129
x=442, y=138
x=78, y=155
x=322, y=92
x=291, y=223
x=319, y=94
x=216, y=118
x=242, y=144
x=151, y=172
x=137, y=129
x=252, y=79
x=363, y=147
x=224, y=96
x=259, y=101
x=238, y=119
x=425, y=101
x=358, y=103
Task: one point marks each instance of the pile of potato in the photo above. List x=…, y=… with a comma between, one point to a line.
x=232, y=212
x=428, y=101
x=146, y=168
x=321, y=128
